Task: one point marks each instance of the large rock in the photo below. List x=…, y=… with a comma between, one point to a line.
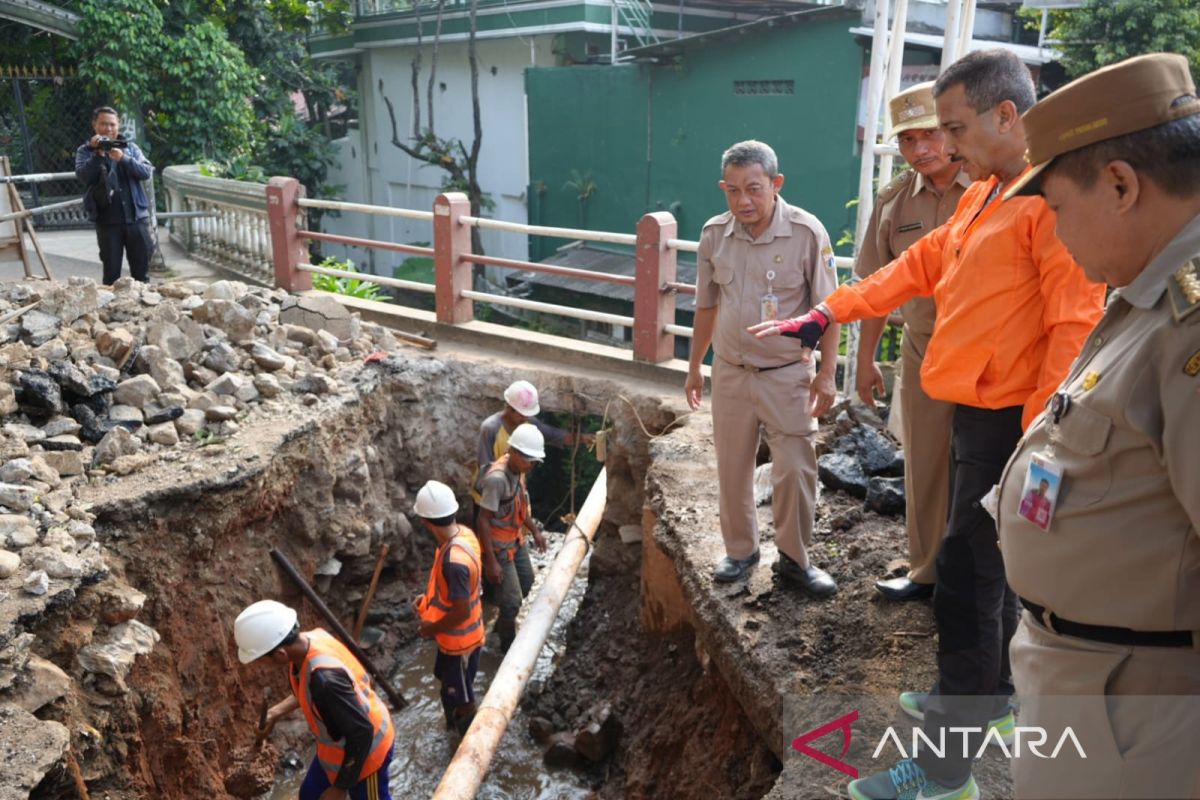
x=116, y=443
x=225, y=290
x=179, y=340
x=39, y=327
x=164, y=434
x=222, y=358
x=60, y=426
x=30, y=434
x=885, y=495
x=116, y=344
x=267, y=385
x=18, y=470
x=16, y=497
x=320, y=312
x=10, y=562
x=266, y=358
x=65, y=463
x=12, y=447
x=234, y=319
x=841, y=472
x=315, y=383
x=166, y=371
x=15, y=354
x=113, y=655
x=8, y=399
x=157, y=415
x=31, y=747
x=55, y=563
x=41, y=684
x=67, y=441
x=874, y=450
x=129, y=417
x=190, y=421
x=39, y=394
x=74, y=381
x=600, y=736
x=71, y=300
x=138, y=391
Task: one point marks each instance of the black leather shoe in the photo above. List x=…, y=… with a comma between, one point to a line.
x=730, y=569
x=902, y=589
x=814, y=581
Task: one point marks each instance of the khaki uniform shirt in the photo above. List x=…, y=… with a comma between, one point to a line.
x=907, y=209
x=732, y=274
x=1123, y=547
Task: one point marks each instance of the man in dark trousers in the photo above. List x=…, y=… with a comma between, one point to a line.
x=349, y=719
x=113, y=169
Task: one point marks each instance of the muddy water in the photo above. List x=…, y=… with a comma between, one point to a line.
x=424, y=747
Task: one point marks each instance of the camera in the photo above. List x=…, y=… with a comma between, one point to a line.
x=105, y=144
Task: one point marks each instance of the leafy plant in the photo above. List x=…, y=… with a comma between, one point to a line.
x=350, y=287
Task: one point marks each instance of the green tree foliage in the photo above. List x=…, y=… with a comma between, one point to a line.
x=1104, y=32
x=214, y=80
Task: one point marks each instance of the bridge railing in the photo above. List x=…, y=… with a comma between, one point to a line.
x=259, y=232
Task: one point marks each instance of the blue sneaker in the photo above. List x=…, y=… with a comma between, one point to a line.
x=907, y=781
x=913, y=704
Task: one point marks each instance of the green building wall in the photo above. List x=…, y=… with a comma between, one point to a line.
x=650, y=137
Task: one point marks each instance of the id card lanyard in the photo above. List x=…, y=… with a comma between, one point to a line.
x=769, y=305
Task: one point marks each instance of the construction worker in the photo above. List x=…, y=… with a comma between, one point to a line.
x=917, y=201
x=763, y=259
x=349, y=719
x=1013, y=311
x=520, y=406
x=505, y=515
x=451, y=610
x=1109, y=641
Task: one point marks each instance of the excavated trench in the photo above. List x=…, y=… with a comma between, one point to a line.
x=328, y=487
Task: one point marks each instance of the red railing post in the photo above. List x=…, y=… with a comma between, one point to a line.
x=287, y=249
x=653, y=306
x=452, y=240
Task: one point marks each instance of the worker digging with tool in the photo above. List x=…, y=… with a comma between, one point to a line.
x=504, y=517
x=351, y=723
x=451, y=610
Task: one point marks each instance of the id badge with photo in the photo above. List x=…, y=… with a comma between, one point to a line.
x=769, y=304
x=1039, y=494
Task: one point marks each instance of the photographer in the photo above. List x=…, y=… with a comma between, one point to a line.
x=113, y=170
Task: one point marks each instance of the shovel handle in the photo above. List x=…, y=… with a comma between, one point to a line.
x=262, y=718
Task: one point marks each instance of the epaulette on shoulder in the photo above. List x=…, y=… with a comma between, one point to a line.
x=1184, y=288
x=895, y=186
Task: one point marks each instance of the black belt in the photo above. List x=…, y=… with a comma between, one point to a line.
x=752, y=368
x=1104, y=633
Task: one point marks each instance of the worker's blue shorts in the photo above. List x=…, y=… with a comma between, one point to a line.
x=374, y=787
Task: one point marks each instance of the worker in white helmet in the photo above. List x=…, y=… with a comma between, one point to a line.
x=450, y=609
x=349, y=719
x=520, y=406
x=504, y=517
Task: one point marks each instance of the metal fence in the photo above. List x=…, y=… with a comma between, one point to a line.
x=44, y=117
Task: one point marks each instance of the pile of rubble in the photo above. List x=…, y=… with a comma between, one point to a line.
x=98, y=382
x=864, y=462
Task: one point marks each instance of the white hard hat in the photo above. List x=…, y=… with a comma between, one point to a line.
x=436, y=500
x=261, y=628
x=528, y=441
x=523, y=396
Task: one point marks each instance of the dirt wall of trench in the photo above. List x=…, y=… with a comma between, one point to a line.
x=195, y=536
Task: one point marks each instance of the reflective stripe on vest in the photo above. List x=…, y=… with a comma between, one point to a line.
x=462, y=548
x=326, y=652
x=507, y=529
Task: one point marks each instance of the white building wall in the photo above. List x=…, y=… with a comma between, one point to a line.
x=375, y=171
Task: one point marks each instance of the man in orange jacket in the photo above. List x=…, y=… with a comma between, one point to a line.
x=1013, y=311
x=350, y=721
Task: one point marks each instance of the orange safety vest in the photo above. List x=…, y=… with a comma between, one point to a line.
x=326, y=652
x=462, y=548
x=508, y=532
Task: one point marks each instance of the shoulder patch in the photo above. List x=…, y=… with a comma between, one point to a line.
x=1184, y=288
x=1191, y=367
x=895, y=186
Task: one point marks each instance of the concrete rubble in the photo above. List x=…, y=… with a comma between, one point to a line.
x=98, y=382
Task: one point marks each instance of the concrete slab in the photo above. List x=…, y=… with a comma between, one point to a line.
x=74, y=252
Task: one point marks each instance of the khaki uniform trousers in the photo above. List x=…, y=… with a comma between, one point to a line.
x=1135, y=711
x=925, y=432
x=778, y=399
